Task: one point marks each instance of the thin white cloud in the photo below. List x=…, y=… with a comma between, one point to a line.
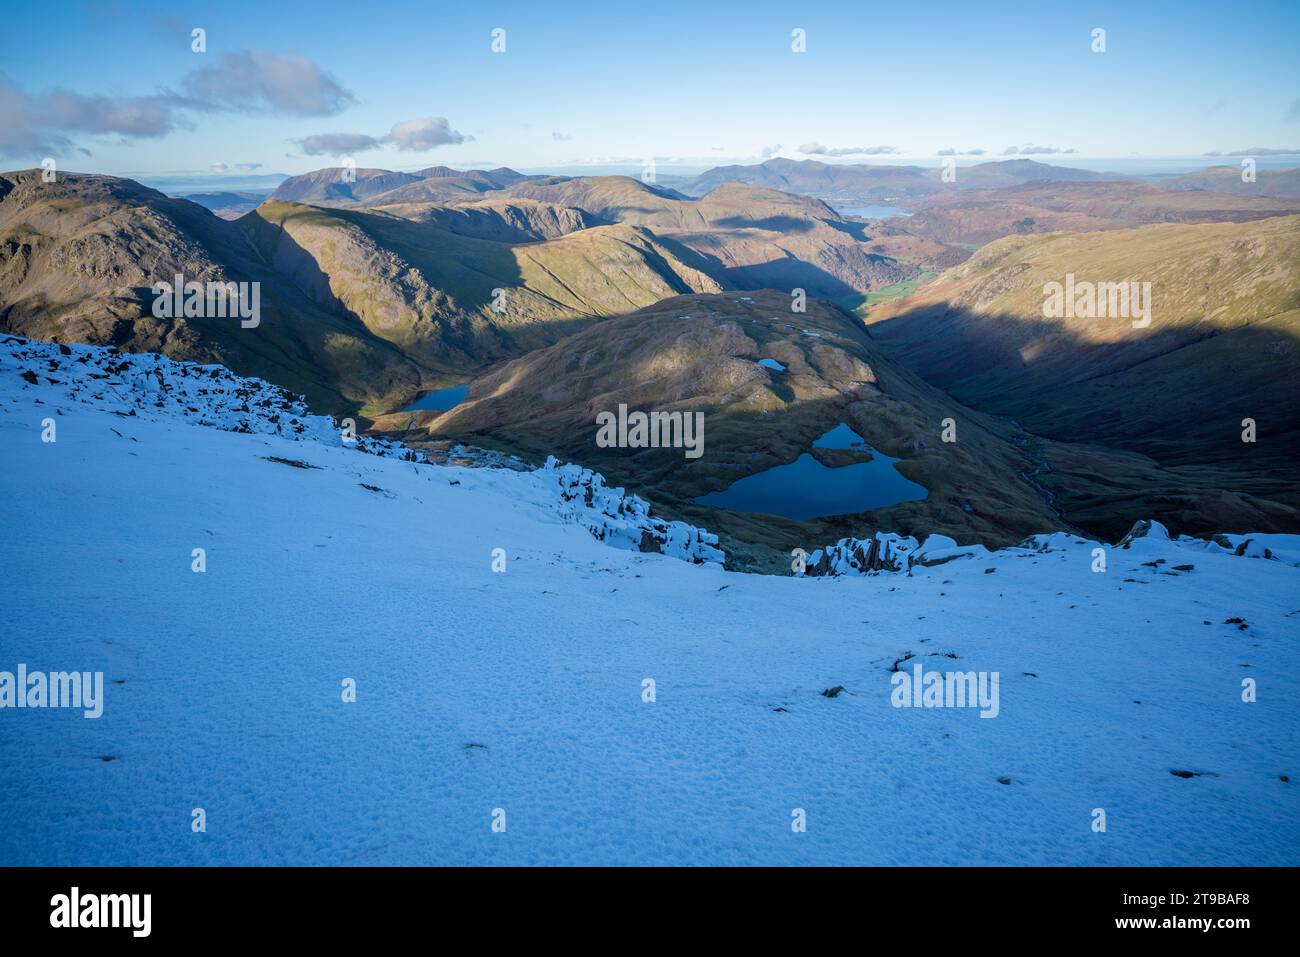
x=258, y=81
x=817, y=149
x=418, y=136
x=424, y=134
x=41, y=124
x=1030, y=150
x=220, y=167
x=338, y=144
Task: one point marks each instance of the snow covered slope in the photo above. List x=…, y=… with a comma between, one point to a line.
x=523, y=690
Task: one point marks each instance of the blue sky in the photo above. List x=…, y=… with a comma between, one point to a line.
x=600, y=82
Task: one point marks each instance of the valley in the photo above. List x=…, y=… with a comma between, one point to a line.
x=507, y=310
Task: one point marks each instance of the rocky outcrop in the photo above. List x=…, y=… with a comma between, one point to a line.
x=1144, y=528
x=883, y=552
x=623, y=520
x=887, y=552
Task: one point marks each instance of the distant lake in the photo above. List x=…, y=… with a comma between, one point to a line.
x=807, y=489
x=440, y=400
x=871, y=212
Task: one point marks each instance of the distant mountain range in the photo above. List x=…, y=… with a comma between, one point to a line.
x=913, y=186
x=228, y=205
x=747, y=237
x=1279, y=183
x=978, y=216
x=338, y=186
x=870, y=184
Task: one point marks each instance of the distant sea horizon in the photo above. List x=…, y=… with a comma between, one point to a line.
x=667, y=174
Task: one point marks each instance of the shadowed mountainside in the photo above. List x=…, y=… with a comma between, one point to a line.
x=1223, y=342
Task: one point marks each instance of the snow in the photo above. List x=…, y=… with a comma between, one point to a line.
x=522, y=689
x=623, y=520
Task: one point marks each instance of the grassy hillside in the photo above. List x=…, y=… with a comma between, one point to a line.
x=981, y=216
x=78, y=258
x=746, y=237
x=701, y=353
x=432, y=293
x=755, y=238
x=360, y=310
x=502, y=220
x=1223, y=343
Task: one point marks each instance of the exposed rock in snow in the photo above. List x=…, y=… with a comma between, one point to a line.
x=1144, y=528
x=887, y=552
x=1253, y=549
x=884, y=551
x=1056, y=541
x=208, y=395
x=623, y=520
x=940, y=549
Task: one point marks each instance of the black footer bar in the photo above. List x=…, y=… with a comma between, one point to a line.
x=338, y=905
